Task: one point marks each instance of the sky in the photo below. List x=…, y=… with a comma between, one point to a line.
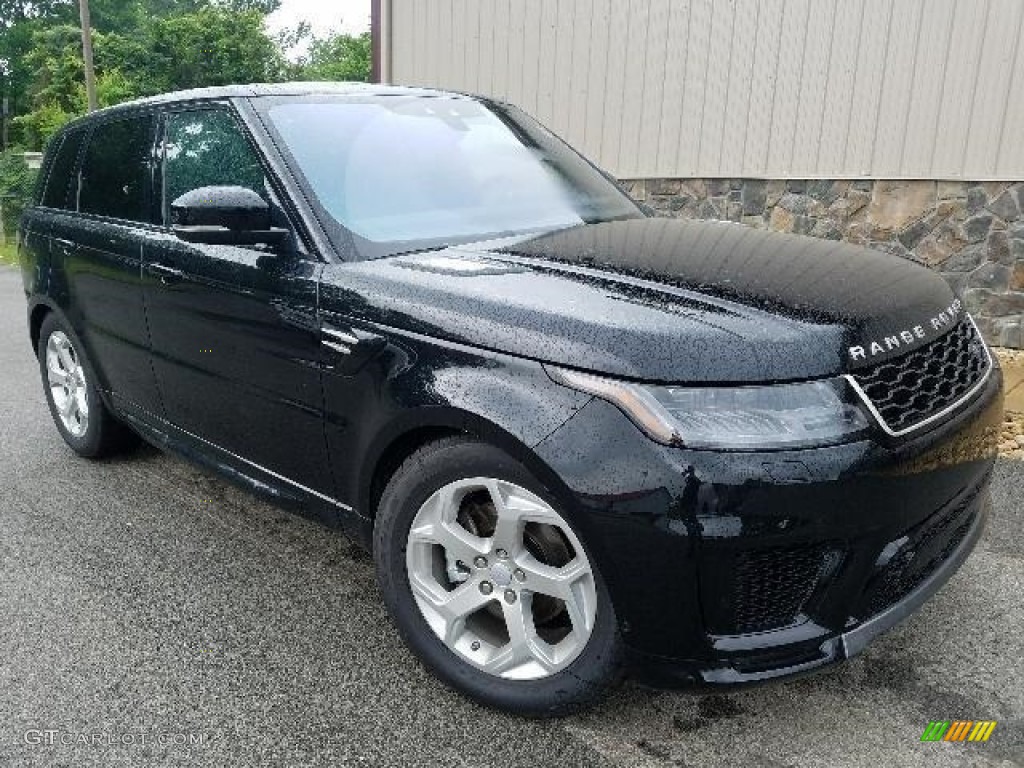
x=352, y=16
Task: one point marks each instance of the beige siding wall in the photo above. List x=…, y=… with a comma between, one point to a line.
x=742, y=88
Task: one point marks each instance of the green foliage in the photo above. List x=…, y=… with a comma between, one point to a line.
x=214, y=46
x=339, y=57
x=38, y=126
x=16, y=71
x=8, y=253
x=114, y=87
x=262, y=7
x=145, y=47
x=57, y=65
x=17, y=181
x=141, y=48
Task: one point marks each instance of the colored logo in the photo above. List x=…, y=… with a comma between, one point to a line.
x=958, y=730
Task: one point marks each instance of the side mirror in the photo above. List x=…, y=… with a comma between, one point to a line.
x=224, y=216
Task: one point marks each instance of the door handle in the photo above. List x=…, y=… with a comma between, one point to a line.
x=63, y=245
x=166, y=274
x=340, y=348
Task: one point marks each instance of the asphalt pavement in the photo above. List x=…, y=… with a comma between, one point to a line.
x=153, y=614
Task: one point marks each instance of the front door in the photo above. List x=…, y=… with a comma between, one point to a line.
x=235, y=340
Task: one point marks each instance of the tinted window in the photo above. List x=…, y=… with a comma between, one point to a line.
x=206, y=148
x=61, y=170
x=115, y=176
x=403, y=172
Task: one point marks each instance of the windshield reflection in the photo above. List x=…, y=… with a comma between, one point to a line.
x=403, y=173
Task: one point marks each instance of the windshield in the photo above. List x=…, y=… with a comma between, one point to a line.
x=401, y=173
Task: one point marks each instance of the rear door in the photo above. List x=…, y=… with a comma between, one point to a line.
x=51, y=216
x=234, y=330
x=96, y=250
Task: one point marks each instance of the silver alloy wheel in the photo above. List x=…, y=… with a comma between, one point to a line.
x=478, y=592
x=67, y=383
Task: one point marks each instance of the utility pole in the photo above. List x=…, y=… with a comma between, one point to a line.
x=90, y=75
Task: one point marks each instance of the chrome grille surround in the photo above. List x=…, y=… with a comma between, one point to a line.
x=961, y=348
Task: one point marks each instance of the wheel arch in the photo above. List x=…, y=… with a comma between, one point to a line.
x=394, y=454
x=37, y=313
x=414, y=430
x=39, y=309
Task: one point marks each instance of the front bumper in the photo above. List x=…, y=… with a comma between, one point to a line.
x=804, y=649
x=741, y=567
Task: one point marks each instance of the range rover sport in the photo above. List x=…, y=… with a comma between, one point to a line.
x=580, y=441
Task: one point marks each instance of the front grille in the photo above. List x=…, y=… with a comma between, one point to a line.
x=772, y=586
x=908, y=390
x=917, y=555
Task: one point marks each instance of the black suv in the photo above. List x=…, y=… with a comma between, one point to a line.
x=579, y=440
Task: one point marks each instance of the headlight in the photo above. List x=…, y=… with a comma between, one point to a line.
x=739, y=417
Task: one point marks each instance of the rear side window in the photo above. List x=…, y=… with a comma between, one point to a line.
x=55, y=194
x=206, y=148
x=116, y=170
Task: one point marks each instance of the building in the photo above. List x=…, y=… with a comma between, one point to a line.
x=892, y=123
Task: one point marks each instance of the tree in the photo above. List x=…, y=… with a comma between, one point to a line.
x=13, y=12
x=214, y=46
x=144, y=47
x=263, y=7
x=17, y=181
x=19, y=23
x=56, y=92
x=338, y=57
x=123, y=15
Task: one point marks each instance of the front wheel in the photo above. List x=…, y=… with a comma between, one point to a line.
x=490, y=585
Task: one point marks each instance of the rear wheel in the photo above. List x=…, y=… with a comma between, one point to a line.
x=489, y=583
x=75, y=405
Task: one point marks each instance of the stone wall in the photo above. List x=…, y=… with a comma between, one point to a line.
x=971, y=233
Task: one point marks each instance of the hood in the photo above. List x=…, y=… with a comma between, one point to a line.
x=659, y=300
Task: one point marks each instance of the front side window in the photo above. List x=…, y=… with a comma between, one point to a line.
x=406, y=172
x=115, y=179
x=55, y=194
x=206, y=148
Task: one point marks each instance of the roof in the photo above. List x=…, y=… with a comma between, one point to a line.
x=266, y=89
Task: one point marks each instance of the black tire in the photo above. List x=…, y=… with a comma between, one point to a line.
x=104, y=435
x=588, y=678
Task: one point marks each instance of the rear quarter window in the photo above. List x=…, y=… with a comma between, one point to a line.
x=61, y=170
